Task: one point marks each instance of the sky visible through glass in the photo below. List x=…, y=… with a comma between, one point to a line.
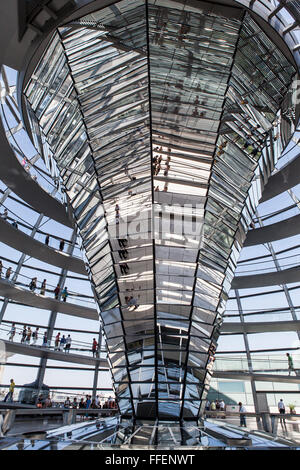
x=267, y=301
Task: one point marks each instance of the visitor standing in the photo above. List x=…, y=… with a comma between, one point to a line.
x=290, y=363
x=64, y=294
x=75, y=404
x=24, y=334
x=8, y=273
x=68, y=344
x=32, y=285
x=94, y=347
x=56, y=291
x=28, y=336
x=281, y=409
x=88, y=403
x=62, y=342
x=10, y=391
x=12, y=332
x=35, y=336
x=43, y=287
x=81, y=405
x=67, y=403
x=242, y=411
x=56, y=342
x=45, y=340
x=48, y=403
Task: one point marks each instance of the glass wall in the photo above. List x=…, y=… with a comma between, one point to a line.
x=154, y=112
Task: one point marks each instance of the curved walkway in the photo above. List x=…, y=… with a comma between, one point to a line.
x=283, y=229
x=283, y=180
x=21, y=183
x=261, y=377
x=260, y=327
x=36, y=351
x=286, y=276
x=22, y=242
x=10, y=290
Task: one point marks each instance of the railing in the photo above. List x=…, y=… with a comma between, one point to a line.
x=73, y=297
x=262, y=364
x=262, y=314
x=265, y=421
x=66, y=416
x=268, y=266
x=39, y=235
x=77, y=347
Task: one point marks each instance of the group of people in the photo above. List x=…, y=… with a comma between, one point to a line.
x=197, y=103
x=215, y=405
x=28, y=334
x=61, y=243
x=61, y=342
x=123, y=242
x=57, y=290
x=4, y=216
x=110, y=403
x=157, y=165
x=64, y=293
x=86, y=403
x=83, y=404
x=123, y=253
x=220, y=406
x=33, y=285
x=280, y=406
x=8, y=272
x=89, y=402
x=14, y=223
